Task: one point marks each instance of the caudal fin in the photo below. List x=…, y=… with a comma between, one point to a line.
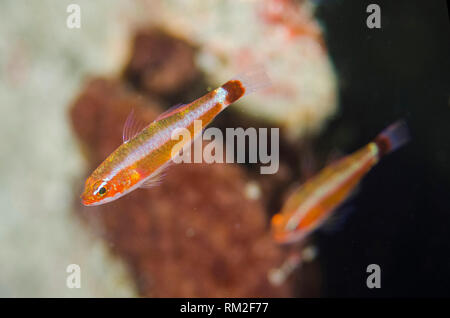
x=254, y=78
x=393, y=137
x=250, y=80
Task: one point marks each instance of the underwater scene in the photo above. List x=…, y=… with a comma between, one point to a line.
x=225, y=149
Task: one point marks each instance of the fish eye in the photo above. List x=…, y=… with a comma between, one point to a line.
x=100, y=188
x=102, y=191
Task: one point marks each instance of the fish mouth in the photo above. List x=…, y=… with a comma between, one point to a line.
x=93, y=202
x=90, y=202
x=86, y=201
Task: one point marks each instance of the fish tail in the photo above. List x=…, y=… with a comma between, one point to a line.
x=392, y=138
x=247, y=82
x=254, y=78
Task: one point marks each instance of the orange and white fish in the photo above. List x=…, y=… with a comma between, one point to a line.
x=314, y=202
x=144, y=154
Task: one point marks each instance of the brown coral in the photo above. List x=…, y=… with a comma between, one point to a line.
x=160, y=64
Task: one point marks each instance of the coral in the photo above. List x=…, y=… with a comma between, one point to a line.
x=152, y=69
x=282, y=34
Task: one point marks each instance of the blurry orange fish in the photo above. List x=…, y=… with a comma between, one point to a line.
x=145, y=153
x=313, y=203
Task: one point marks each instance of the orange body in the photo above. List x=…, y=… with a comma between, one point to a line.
x=309, y=206
x=140, y=159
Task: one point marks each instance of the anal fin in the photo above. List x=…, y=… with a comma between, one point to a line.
x=338, y=219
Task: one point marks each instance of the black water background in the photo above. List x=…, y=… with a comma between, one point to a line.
x=402, y=211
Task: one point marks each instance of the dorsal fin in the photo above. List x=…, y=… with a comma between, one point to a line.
x=132, y=127
x=172, y=110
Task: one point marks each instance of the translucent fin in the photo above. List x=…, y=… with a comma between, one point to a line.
x=132, y=127
x=172, y=110
x=254, y=78
x=152, y=181
x=338, y=219
x=393, y=137
x=156, y=178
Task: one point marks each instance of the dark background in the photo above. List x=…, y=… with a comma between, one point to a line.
x=402, y=216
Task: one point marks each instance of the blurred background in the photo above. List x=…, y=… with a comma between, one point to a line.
x=204, y=232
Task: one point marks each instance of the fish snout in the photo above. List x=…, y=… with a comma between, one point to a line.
x=86, y=199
